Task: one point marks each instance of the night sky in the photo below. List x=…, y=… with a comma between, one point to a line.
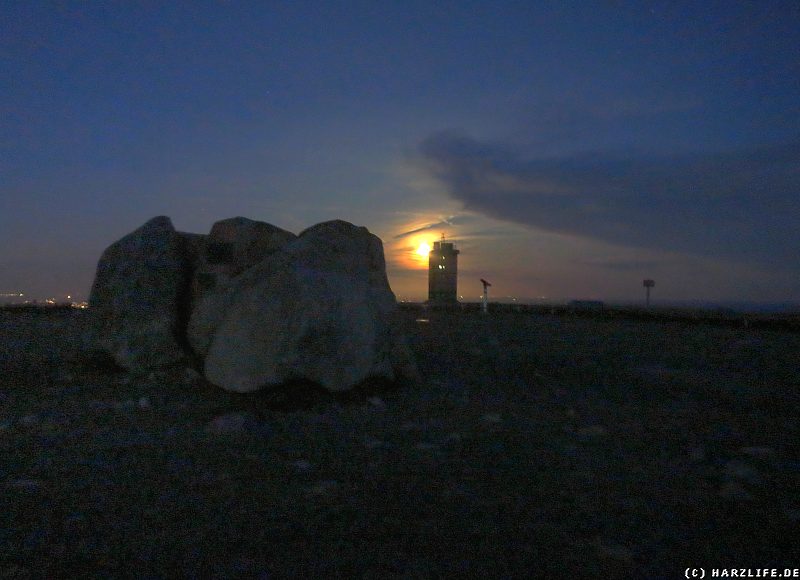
x=570, y=149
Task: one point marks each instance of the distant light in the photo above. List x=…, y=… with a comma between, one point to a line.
x=69, y=297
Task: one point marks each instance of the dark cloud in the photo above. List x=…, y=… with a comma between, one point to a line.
x=743, y=205
x=625, y=265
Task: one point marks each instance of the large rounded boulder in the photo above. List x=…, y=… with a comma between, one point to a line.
x=254, y=305
x=232, y=247
x=319, y=309
x=138, y=299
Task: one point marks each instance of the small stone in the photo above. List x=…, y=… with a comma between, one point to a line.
x=28, y=484
x=592, y=431
x=74, y=517
x=376, y=402
x=792, y=514
x=697, y=454
x=425, y=446
x=323, y=488
x=372, y=443
x=617, y=552
x=144, y=403
x=58, y=551
x=454, y=436
x=302, y=465
x=757, y=451
x=29, y=420
x=739, y=470
x=735, y=491
x=192, y=378
x=492, y=418
x=230, y=423
x=613, y=551
x=249, y=568
x=209, y=477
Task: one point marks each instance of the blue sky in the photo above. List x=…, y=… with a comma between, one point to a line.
x=570, y=148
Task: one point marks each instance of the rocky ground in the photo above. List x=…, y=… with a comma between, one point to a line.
x=534, y=446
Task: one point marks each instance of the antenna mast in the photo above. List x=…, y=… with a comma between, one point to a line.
x=647, y=285
x=485, y=297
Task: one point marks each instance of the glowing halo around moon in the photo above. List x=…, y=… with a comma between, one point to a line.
x=423, y=249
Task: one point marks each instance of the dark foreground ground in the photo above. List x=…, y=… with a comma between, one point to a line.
x=535, y=446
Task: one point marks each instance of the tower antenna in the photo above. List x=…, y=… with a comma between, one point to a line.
x=485, y=297
x=647, y=285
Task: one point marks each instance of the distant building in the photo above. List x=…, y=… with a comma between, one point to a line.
x=443, y=273
x=12, y=298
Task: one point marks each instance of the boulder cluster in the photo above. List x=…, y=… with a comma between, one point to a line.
x=250, y=305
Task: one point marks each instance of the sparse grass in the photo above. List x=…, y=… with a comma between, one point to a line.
x=534, y=446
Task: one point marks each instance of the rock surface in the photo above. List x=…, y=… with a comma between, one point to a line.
x=232, y=246
x=256, y=306
x=138, y=297
x=320, y=309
